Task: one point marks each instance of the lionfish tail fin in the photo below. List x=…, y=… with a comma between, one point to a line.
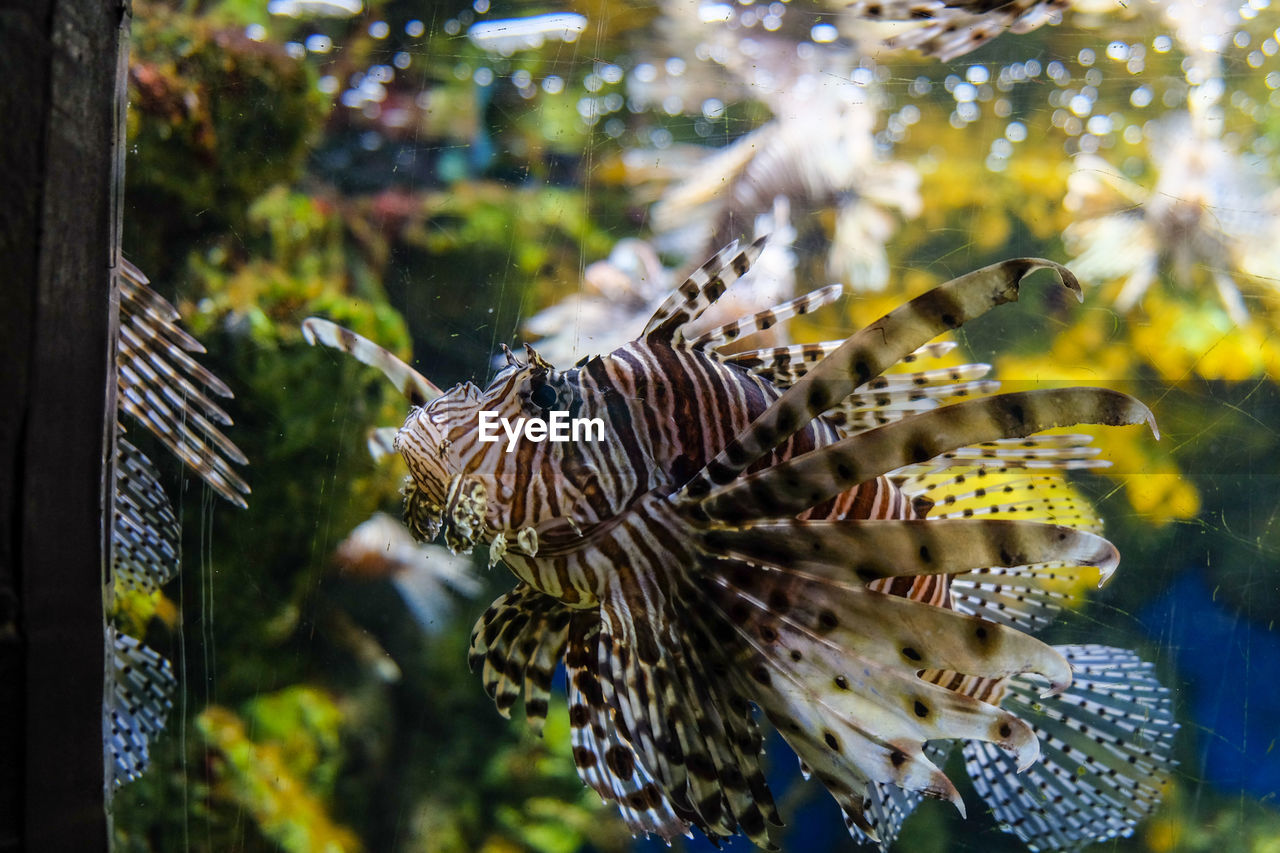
x=866, y=355
x=699, y=291
x=409, y=382
x=145, y=553
x=1106, y=747
x=137, y=706
x=805, y=481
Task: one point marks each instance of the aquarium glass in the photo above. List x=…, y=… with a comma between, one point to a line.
x=448, y=178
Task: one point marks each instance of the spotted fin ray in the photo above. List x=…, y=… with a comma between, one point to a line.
x=765, y=320
x=516, y=645
x=807, y=480
x=703, y=287
x=866, y=355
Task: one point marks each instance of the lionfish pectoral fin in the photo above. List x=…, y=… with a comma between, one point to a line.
x=887, y=806
x=693, y=738
x=605, y=757
x=869, y=550
x=1106, y=754
x=412, y=384
x=865, y=356
x=517, y=643
x=791, y=487
x=699, y=291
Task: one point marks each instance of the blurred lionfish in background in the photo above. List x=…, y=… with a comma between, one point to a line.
x=857, y=549
x=163, y=388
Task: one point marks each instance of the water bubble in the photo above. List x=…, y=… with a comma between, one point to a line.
x=645, y=73
x=483, y=76
x=1241, y=39
x=977, y=74
x=255, y=32
x=611, y=73
x=592, y=82
x=675, y=66
x=672, y=104
x=1273, y=80
x=1086, y=56
x=401, y=60
x=823, y=33
x=415, y=28
x=1015, y=131
x=1001, y=147
x=521, y=78
x=318, y=43
x=553, y=84
x=452, y=27
x=614, y=128
x=481, y=6
x=1033, y=67
x=1081, y=105
x=713, y=108
x=1118, y=51
x=379, y=29
x=660, y=137
x=1255, y=59
x=1141, y=96
x=965, y=92
x=715, y=13
x=1098, y=125
x=295, y=50
x=327, y=84
x=920, y=87
x=1133, y=134
x=613, y=102
x=1161, y=44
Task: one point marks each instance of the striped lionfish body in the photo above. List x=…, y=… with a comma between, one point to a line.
x=793, y=530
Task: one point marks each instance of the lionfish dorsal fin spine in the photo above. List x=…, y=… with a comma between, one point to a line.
x=699, y=291
x=865, y=356
x=767, y=319
x=409, y=382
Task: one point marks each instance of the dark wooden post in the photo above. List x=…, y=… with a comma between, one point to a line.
x=60, y=67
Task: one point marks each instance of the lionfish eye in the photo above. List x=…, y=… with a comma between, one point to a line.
x=544, y=396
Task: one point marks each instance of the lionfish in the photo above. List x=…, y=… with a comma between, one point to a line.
x=163, y=388
x=859, y=555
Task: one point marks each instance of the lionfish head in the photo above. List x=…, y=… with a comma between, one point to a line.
x=460, y=484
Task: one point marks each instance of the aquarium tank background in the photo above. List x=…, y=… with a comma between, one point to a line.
x=446, y=178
